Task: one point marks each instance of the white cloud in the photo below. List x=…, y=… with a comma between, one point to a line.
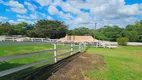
x=3, y=18
x=115, y=9
x=12, y=21
x=102, y=12
x=67, y=7
x=19, y=10
x=67, y=16
x=21, y=20
x=44, y=2
x=15, y=6
x=79, y=20
x=130, y=10
x=49, y=18
x=140, y=6
x=22, y=16
x=129, y=19
x=53, y=10
x=33, y=16
x=40, y=15
x=30, y=6
x=24, y=20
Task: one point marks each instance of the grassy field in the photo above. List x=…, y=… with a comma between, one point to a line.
x=21, y=49
x=123, y=63
x=15, y=49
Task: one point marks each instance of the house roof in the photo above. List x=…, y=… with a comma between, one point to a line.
x=77, y=39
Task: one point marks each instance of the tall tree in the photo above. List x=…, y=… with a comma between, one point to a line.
x=50, y=28
x=20, y=28
x=4, y=28
x=81, y=31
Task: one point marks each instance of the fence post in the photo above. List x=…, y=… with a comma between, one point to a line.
x=32, y=40
x=71, y=48
x=83, y=46
x=79, y=47
x=97, y=45
x=42, y=39
x=13, y=39
x=55, y=52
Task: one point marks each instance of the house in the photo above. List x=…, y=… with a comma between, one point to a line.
x=82, y=39
x=86, y=39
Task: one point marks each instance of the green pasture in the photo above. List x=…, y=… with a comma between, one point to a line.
x=16, y=49
x=122, y=63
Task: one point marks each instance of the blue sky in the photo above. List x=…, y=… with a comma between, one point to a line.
x=75, y=13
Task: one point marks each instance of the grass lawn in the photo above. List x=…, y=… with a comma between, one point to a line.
x=16, y=49
x=21, y=49
x=123, y=63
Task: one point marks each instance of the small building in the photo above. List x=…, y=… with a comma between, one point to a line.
x=82, y=39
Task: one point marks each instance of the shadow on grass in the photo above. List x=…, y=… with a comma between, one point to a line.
x=87, y=48
x=41, y=73
x=7, y=65
x=48, y=70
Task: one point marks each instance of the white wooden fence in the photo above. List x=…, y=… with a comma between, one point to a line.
x=25, y=39
x=81, y=47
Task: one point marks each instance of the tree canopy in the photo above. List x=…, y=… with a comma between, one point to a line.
x=42, y=28
x=56, y=29
x=50, y=28
x=82, y=31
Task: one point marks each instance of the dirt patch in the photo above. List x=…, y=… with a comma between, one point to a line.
x=139, y=55
x=75, y=69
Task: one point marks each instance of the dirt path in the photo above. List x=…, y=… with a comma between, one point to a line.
x=75, y=69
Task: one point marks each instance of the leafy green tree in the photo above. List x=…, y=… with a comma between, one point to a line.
x=81, y=31
x=20, y=28
x=31, y=33
x=11, y=31
x=0, y=23
x=57, y=29
x=110, y=33
x=133, y=31
x=4, y=28
x=100, y=36
x=134, y=36
x=122, y=41
x=140, y=38
x=129, y=27
x=50, y=28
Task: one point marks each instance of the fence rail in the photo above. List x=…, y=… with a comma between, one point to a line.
x=28, y=54
x=56, y=55
x=23, y=39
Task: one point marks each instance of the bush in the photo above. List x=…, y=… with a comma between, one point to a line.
x=122, y=41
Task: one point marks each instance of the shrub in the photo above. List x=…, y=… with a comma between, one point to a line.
x=122, y=41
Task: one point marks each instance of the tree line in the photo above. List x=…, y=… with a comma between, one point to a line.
x=111, y=33
x=132, y=32
x=41, y=29
x=55, y=29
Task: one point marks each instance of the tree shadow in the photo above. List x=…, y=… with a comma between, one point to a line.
x=87, y=48
x=6, y=65
x=41, y=73
x=48, y=70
